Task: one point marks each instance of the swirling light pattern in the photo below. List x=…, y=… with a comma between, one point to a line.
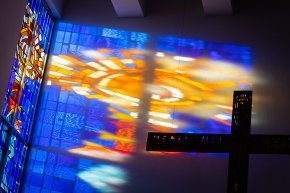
x=100, y=80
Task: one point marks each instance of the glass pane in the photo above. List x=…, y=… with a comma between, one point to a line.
x=23, y=90
x=28, y=66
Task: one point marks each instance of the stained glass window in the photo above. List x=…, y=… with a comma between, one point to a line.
x=23, y=90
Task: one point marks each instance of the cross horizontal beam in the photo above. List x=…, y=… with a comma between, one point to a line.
x=239, y=144
x=217, y=143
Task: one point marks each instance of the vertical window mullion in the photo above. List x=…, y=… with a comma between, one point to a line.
x=23, y=91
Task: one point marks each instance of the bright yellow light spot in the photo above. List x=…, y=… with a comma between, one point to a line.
x=194, y=83
x=225, y=107
x=56, y=73
x=160, y=115
x=93, y=54
x=160, y=54
x=60, y=60
x=98, y=74
x=223, y=117
x=97, y=66
x=184, y=59
x=163, y=123
x=62, y=66
x=127, y=61
x=110, y=64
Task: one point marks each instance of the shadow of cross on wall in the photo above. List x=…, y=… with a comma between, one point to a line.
x=239, y=144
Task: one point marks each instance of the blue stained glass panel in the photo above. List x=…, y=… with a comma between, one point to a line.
x=22, y=93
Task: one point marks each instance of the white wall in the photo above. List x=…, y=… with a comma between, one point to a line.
x=265, y=28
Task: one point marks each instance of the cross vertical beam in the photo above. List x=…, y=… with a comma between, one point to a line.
x=241, y=115
x=241, y=130
x=239, y=144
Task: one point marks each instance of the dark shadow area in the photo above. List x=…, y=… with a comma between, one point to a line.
x=248, y=6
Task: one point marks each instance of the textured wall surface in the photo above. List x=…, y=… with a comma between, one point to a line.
x=263, y=26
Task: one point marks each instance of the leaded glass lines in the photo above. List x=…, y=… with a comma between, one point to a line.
x=22, y=93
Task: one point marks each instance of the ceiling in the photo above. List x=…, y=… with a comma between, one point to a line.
x=136, y=8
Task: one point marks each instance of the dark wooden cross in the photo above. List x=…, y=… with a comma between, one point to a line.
x=239, y=144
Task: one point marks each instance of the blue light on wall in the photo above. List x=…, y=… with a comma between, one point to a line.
x=92, y=102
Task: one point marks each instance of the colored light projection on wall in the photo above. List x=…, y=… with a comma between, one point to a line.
x=193, y=85
x=86, y=121
x=98, y=83
x=102, y=84
x=23, y=89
